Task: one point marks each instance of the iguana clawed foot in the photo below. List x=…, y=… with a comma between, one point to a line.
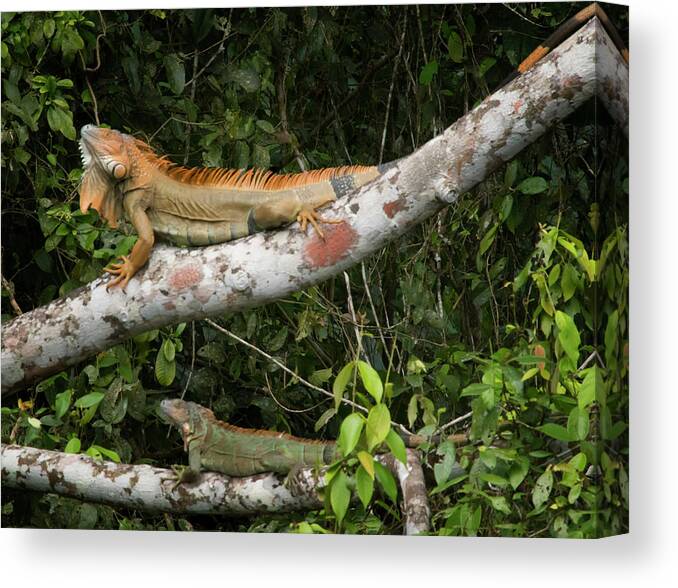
x=308, y=215
x=294, y=480
x=182, y=474
x=124, y=271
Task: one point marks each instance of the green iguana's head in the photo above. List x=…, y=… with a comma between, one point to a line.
x=185, y=416
x=108, y=160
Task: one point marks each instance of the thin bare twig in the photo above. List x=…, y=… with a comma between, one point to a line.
x=294, y=374
x=10, y=290
x=390, y=91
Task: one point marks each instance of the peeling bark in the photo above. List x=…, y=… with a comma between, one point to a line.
x=149, y=488
x=186, y=284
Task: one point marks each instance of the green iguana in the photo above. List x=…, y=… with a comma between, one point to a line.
x=217, y=446
x=197, y=206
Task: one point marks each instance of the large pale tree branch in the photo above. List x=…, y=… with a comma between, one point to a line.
x=185, y=284
x=148, y=488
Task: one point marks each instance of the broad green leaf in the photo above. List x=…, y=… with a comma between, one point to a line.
x=568, y=335
x=324, y=418
x=89, y=400
x=176, y=75
x=124, y=364
x=397, y=446
x=371, y=380
x=62, y=403
x=364, y=485
x=533, y=185
x=35, y=423
x=488, y=239
x=500, y=503
x=385, y=479
x=168, y=349
x=557, y=432
x=164, y=370
x=427, y=73
x=568, y=282
x=542, y=488
x=378, y=425
x=349, y=432
x=340, y=496
x=367, y=462
x=517, y=472
x=587, y=390
x=506, y=206
x=455, y=48
x=109, y=453
x=578, y=423
x=341, y=382
x=319, y=377
x=73, y=445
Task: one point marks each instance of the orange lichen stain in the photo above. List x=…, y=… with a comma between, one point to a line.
x=516, y=106
x=169, y=305
x=185, y=276
x=394, y=207
x=338, y=241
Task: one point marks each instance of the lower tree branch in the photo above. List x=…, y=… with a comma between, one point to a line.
x=150, y=489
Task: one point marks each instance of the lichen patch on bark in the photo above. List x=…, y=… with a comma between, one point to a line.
x=185, y=276
x=339, y=239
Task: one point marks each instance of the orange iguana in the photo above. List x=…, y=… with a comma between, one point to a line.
x=197, y=206
x=203, y=206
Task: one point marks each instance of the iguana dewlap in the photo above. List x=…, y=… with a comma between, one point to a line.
x=217, y=446
x=196, y=206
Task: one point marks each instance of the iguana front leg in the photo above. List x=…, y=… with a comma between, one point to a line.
x=191, y=472
x=135, y=207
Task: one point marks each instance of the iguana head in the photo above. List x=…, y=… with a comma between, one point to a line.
x=186, y=416
x=108, y=159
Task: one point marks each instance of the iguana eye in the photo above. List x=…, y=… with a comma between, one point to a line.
x=119, y=171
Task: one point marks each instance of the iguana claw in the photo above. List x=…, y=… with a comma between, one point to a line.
x=124, y=271
x=307, y=215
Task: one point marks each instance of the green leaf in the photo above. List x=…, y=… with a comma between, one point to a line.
x=587, y=390
x=266, y=126
x=517, y=472
x=488, y=239
x=371, y=380
x=556, y=431
x=35, y=423
x=568, y=335
x=367, y=462
x=124, y=364
x=364, y=485
x=533, y=185
x=73, y=445
x=341, y=382
x=168, y=349
x=176, y=76
x=542, y=488
x=412, y=410
x=455, y=48
x=500, y=503
x=397, y=446
x=109, y=453
x=62, y=402
x=386, y=481
x=427, y=73
x=89, y=400
x=578, y=423
x=340, y=496
x=61, y=120
x=378, y=425
x=611, y=336
x=164, y=370
x=349, y=432
x=568, y=282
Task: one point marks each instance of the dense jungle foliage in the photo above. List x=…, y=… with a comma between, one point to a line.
x=506, y=313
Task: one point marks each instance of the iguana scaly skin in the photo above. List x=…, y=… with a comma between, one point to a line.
x=217, y=446
x=197, y=206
